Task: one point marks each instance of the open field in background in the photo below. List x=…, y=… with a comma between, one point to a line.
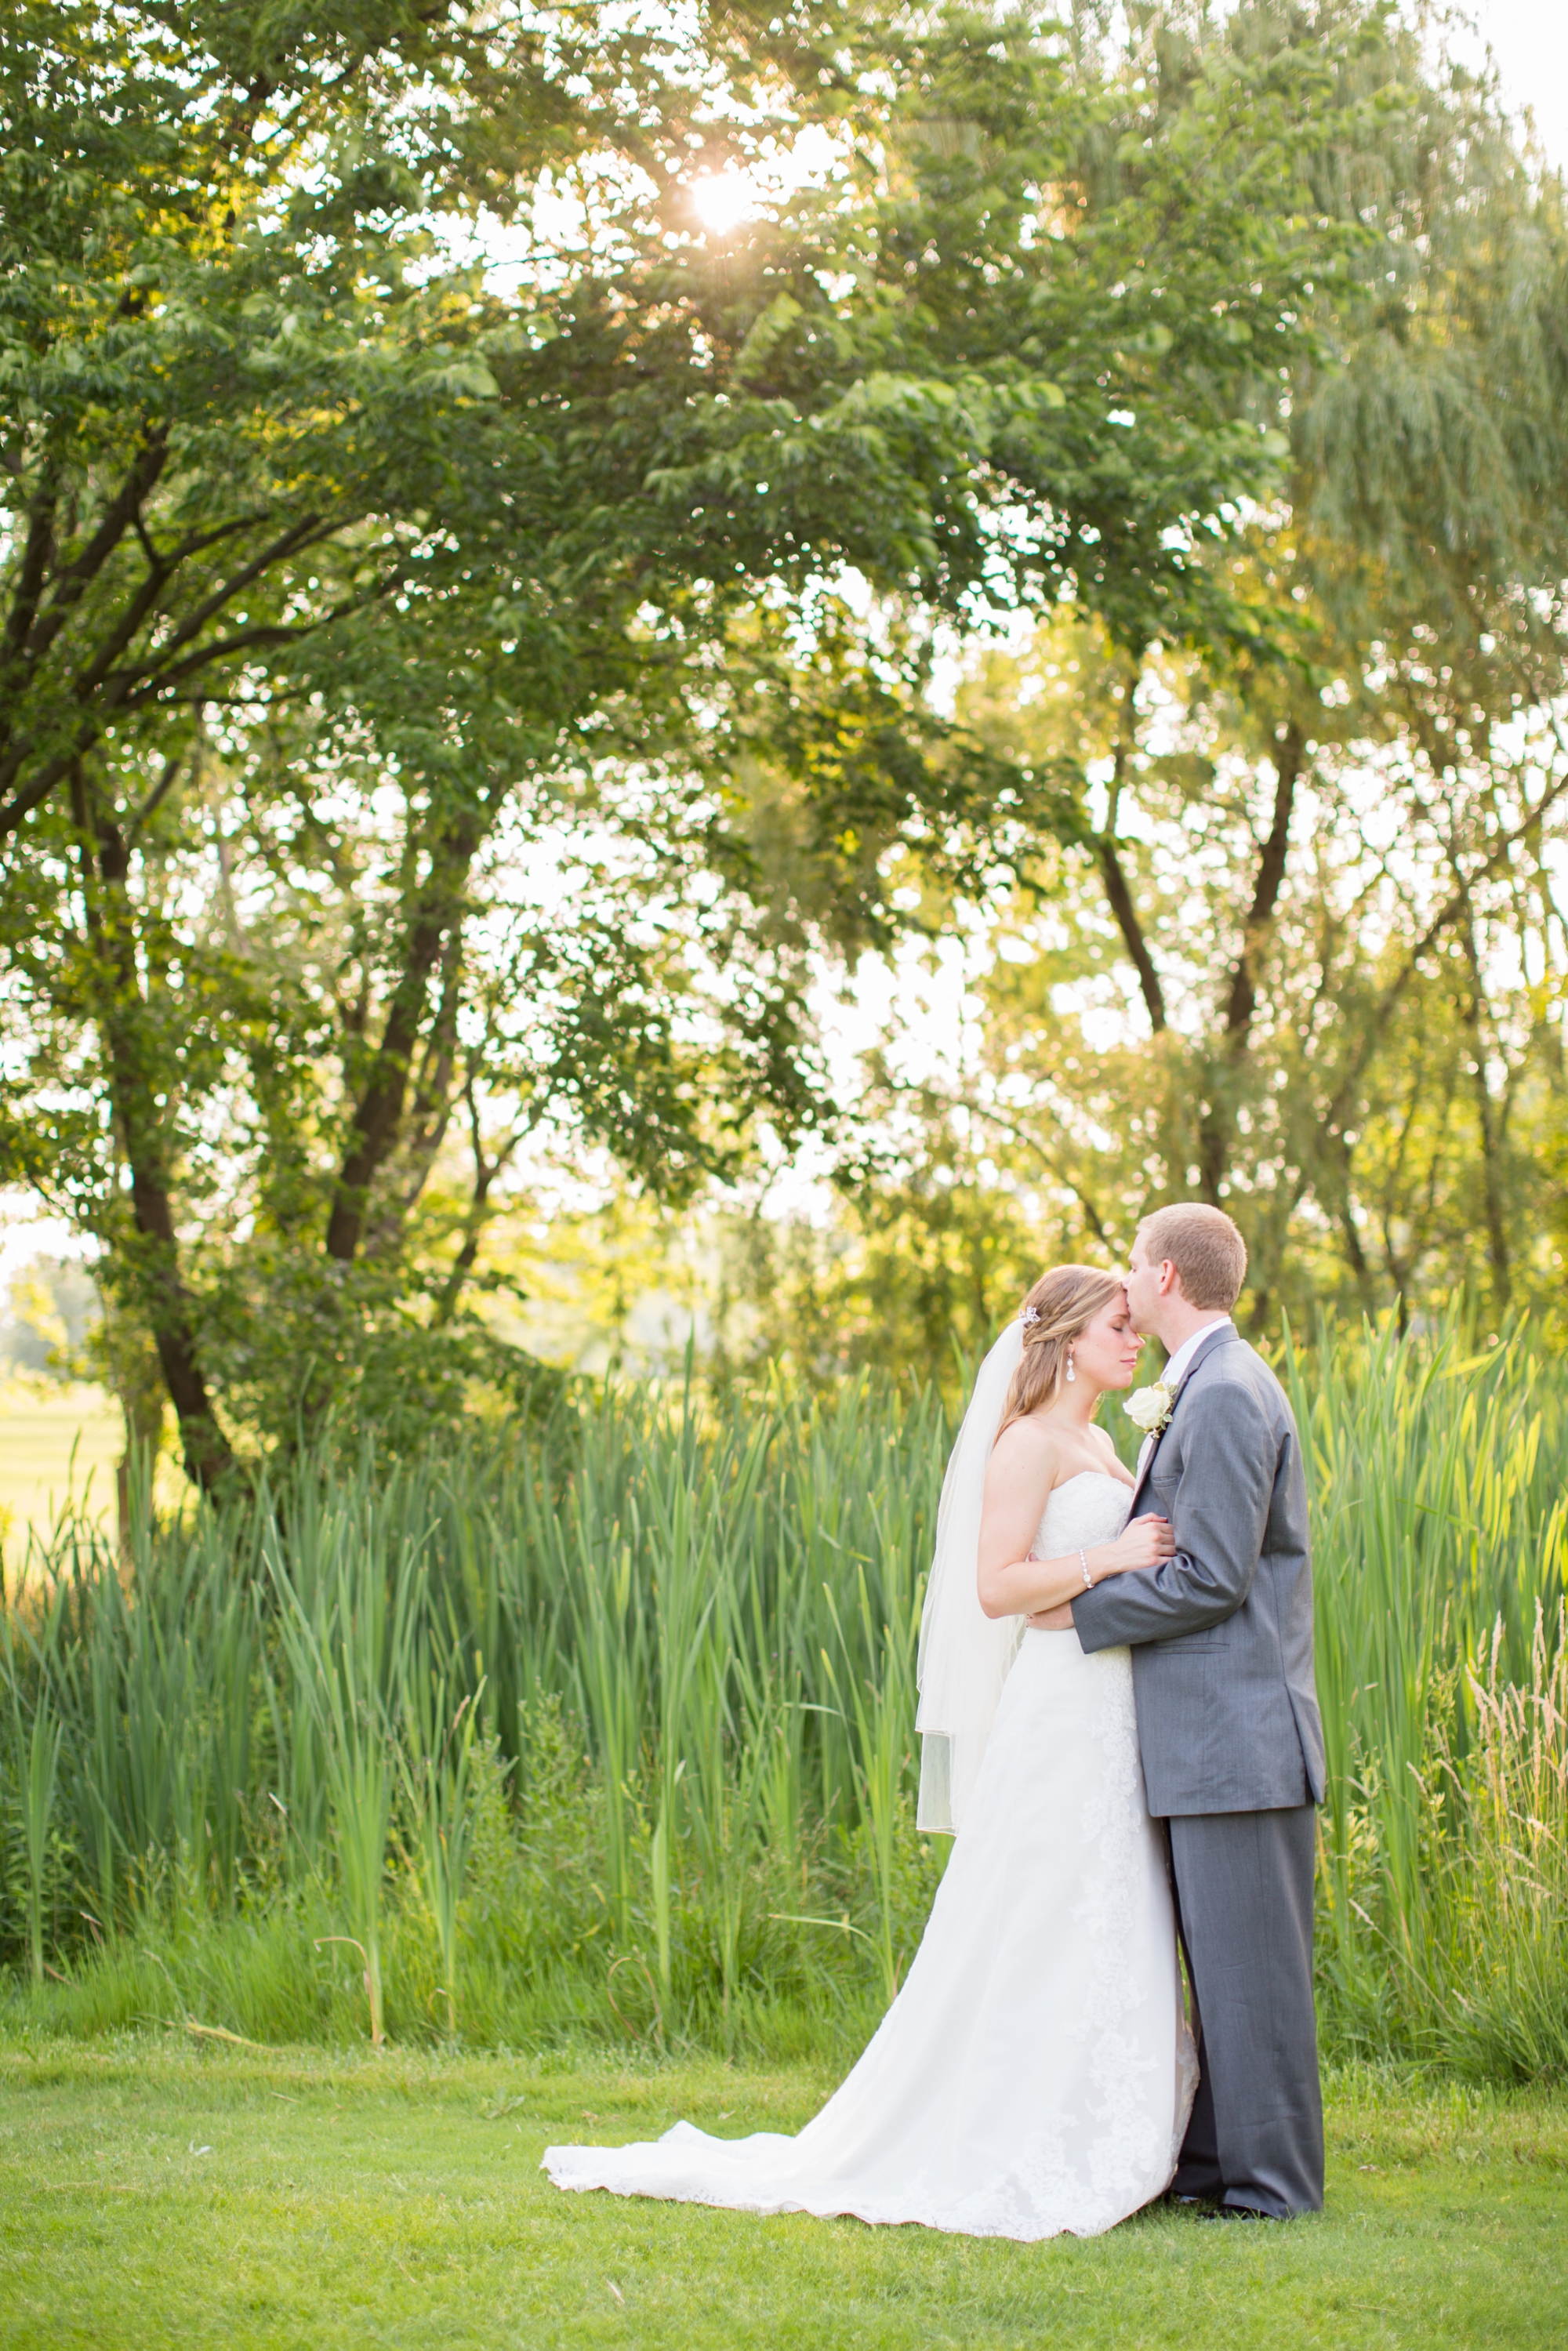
x=608, y=1732
x=152, y=2197
x=59, y=1448
x=56, y=1446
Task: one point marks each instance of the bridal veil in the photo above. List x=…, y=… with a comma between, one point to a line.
x=965, y=1655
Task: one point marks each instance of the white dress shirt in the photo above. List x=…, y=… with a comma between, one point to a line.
x=1177, y=1370
x=1180, y=1364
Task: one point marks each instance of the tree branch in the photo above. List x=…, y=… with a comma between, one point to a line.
x=379, y=1113
x=157, y=796
x=289, y=542
x=1243, y=999
x=34, y=567
x=135, y=689
x=1052, y=1166
x=1121, y=903
x=484, y=1174
x=123, y=698
x=1393, y=994
x=1216, y=1122
x=77, y=577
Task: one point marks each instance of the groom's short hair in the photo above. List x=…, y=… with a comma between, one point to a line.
x=1207, y=1252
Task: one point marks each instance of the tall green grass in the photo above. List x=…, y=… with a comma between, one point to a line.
x=609, y=1730
x=1439, y=1482
x=667, y=1623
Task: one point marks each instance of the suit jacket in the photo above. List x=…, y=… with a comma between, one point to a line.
x=1221, y=1635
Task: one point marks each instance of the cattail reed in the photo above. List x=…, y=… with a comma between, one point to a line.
x=610, y=1727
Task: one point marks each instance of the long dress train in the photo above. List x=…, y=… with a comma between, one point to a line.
x=1035, y=2073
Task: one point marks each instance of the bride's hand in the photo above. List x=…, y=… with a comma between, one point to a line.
x=1143, y=1542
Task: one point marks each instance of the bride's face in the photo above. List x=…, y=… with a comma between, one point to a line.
x=1107, y=1350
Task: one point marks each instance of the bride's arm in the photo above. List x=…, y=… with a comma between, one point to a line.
x=1022, y=1470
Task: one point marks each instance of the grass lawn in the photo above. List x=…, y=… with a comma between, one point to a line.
x=155, y=2194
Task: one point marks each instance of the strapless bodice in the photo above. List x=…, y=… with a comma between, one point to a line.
x=1089, y=1508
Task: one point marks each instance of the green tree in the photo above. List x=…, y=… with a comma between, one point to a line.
x=342, y=589
x=1302, y=953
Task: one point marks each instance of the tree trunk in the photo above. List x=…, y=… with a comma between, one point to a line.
x=379, y=1115
x=1217, y=1123
x=1120, y=899
x=155, y=1256
x=1498, y=1254
x=136, y=1377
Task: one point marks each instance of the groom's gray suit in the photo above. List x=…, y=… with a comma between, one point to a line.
x=1232, y=1747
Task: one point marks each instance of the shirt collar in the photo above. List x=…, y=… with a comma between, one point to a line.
x=1180, y=1364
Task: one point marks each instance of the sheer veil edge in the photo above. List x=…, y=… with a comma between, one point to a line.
x=965, y=1655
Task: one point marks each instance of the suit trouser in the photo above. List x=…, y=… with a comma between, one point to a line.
x=1244, y=1906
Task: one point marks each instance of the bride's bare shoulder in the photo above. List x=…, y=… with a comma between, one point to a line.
x=1031, y=1428
x=1025, y=1464
x=1029, y=1441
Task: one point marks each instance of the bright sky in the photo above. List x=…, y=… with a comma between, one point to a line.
x=1530, y=41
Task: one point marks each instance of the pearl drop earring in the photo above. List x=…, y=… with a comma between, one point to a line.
x=1071, y=1372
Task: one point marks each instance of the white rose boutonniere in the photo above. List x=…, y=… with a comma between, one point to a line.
x=1150, y=1408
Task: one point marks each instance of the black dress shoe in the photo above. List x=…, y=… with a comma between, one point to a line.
x=1239, y=2212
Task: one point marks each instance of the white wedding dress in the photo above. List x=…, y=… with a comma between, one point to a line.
x=1035, y=2073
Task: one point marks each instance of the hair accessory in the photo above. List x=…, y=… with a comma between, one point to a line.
x=1029, y=1316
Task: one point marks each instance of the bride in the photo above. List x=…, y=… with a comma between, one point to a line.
x=1035, y=2073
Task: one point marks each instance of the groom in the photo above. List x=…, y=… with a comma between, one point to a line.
x=1227, y=1718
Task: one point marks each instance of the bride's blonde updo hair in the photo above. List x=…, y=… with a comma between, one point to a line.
x=1058, y=1309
